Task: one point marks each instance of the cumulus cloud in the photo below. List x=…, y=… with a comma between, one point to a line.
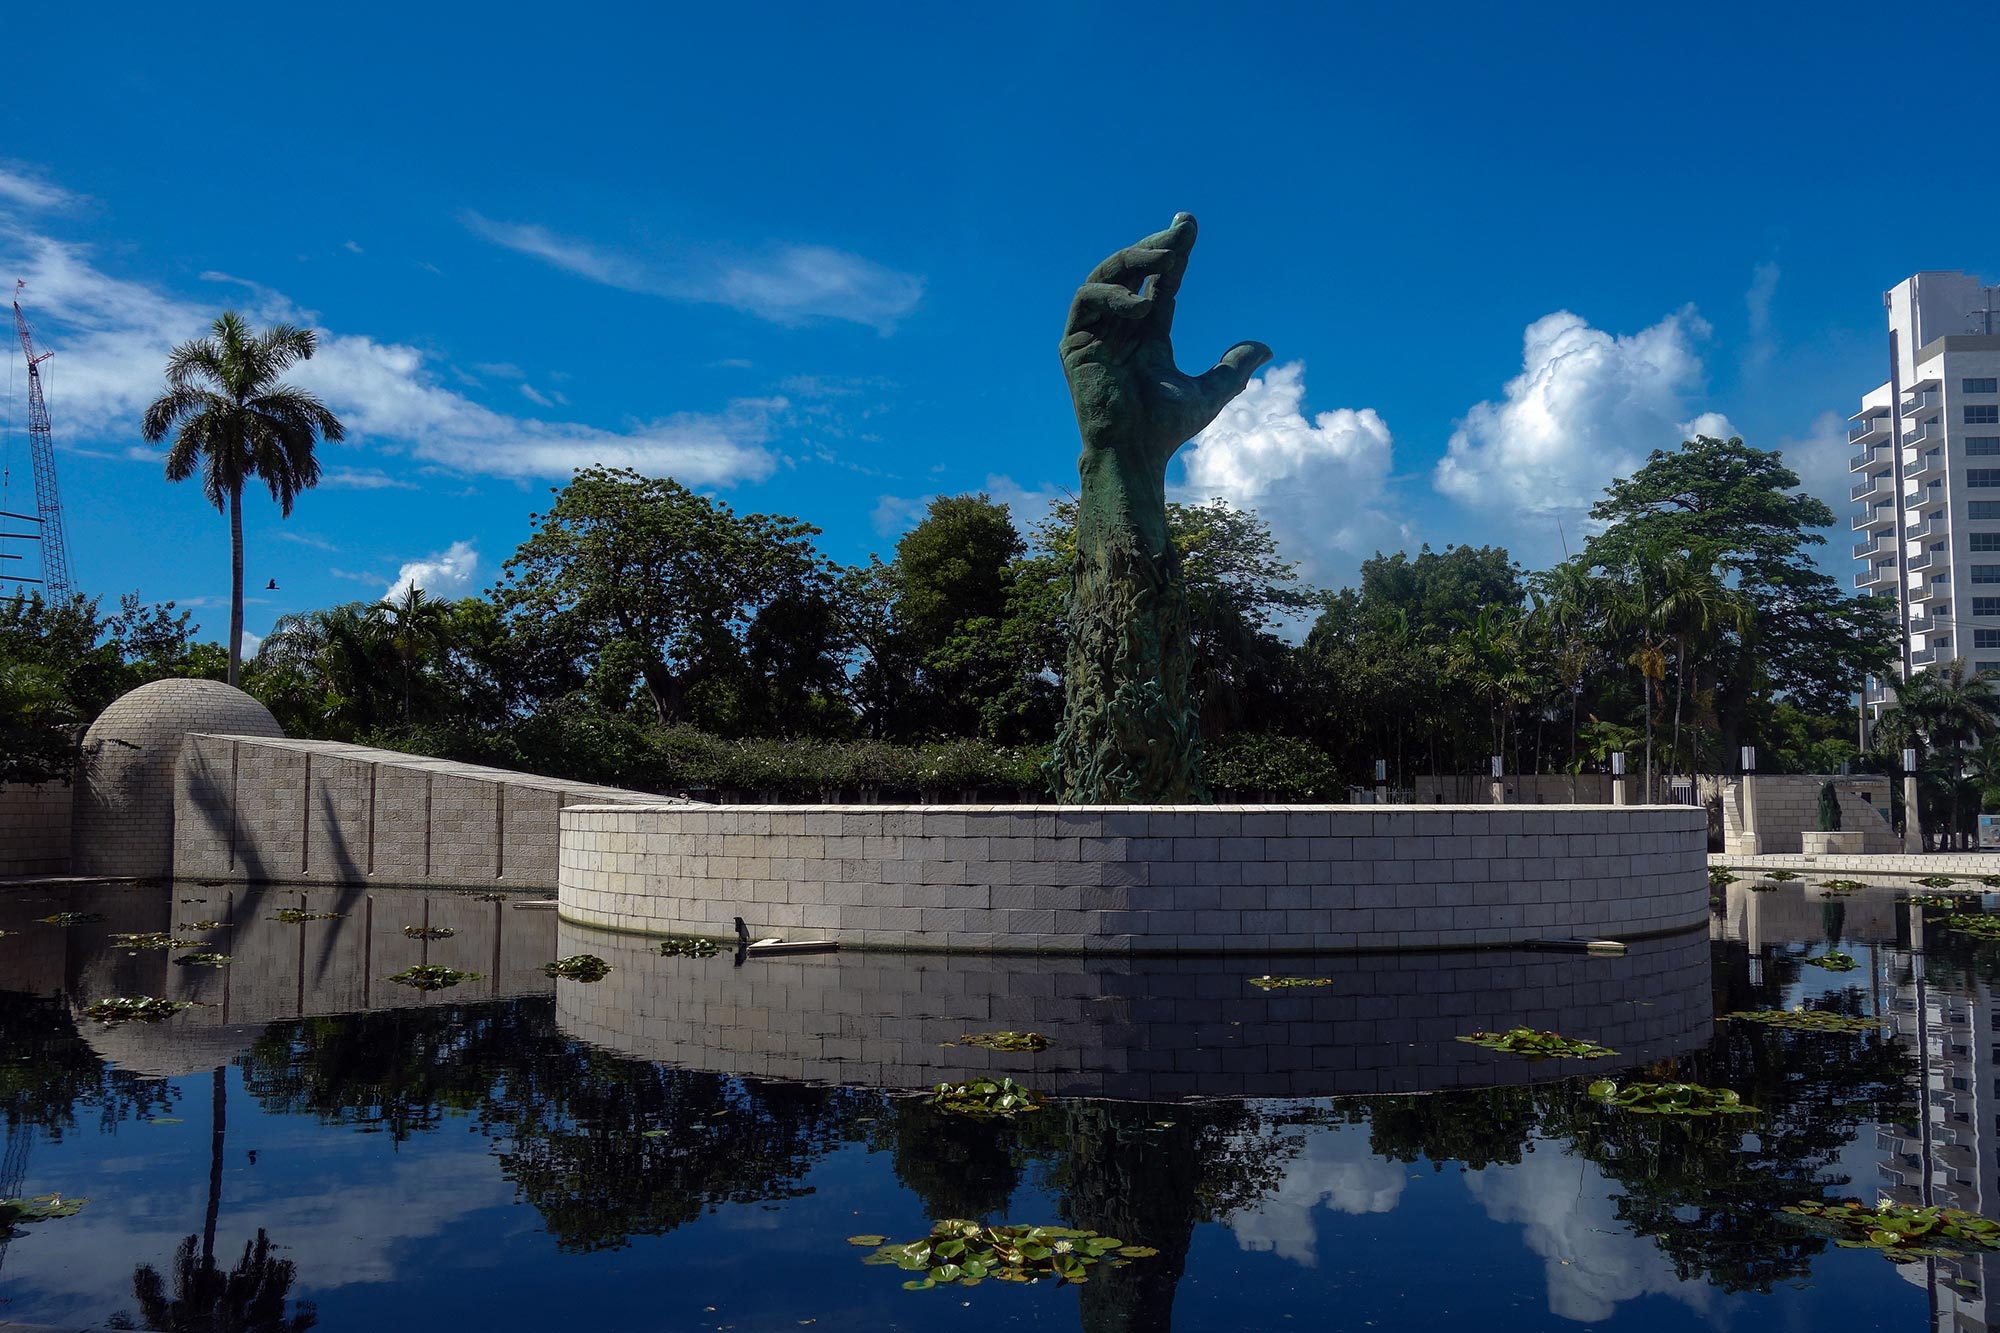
x=1337, y=1171
x=446, y=573
x=785, y=284
x=1820, y=458
x=1587, y=406
x=1568, y=1214
x=1322, y=483
x=115, y=334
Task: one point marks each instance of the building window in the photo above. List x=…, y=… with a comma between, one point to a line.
x=1986, y=606
x=1982, y=446
x=1986, y=638
x=1982, y=476
x=1986, y=541
x=1983, y=509
x=1982, y=414
x=1986, y=573
x=1990, y=384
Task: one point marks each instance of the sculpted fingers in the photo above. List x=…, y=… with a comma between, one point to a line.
x=1226, y=378
x=1096, y=300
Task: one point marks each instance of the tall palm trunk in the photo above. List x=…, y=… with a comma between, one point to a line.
x=1680, y=680
x=235, y=583
x=218, y=1122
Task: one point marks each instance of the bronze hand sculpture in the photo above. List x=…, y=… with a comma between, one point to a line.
x=1129, y=730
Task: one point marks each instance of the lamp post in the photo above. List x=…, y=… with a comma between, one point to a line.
x=1499, y=787
x=1913, y=826
x=1617, y=777
x=1381, y=782
x=1752, y=843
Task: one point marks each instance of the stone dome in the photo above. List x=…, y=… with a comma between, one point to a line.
x=123, y=820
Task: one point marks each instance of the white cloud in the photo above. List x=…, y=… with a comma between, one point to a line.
x=1757, y=302
x=20, y=185
x=112, y=336
x=363, y=479
x=353, y=247
x=785, y=284
x=1715, y=425
x=1568, y=1214
x=1335, y=1170
x=305, y=539
x=446, y=573
x=505, y=370
x=1820, y=459
x=535, y=396
x=1321, y=483
x=1587, y=406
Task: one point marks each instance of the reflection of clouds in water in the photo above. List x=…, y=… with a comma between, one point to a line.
x=1336, y=1169
x=1568, y=1215
x=352, y=1220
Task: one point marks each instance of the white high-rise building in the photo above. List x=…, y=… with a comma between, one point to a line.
x=1927, y=474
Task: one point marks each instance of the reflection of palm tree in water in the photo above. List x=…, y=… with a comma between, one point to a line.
x=249, y=1298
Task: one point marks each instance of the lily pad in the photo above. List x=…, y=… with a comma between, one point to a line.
x=428, y=932
x=1720, y=877
x=965, y=1253
x=430, y=976
x=688, y=946
x=1902, y=1233
x=1937, y=901
x=152, y=940
x=1288, y=983
x=1833, y=960
x=1538, y=1045
x=1806, y=1020
x=1977, y=926
x=1990, y=881
x=1004, y=1041
x=132, y=1009
x=578, y=967
x=1690, y=1099
x=1841, y=885
x=203, y=958
x=1782, y=876
x=71, y=918
x=203, y=925
x=871, y=1241
x=41, y=1208
x=1937, y=881
x=983, y=1098
x=297, y=916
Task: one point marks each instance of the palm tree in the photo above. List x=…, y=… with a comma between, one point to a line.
x=233, y=420
x=330, y=667
x=417, y=625
x=1943, y=710
x=1693, y=602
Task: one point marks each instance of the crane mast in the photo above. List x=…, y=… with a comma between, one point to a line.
x=48, y=516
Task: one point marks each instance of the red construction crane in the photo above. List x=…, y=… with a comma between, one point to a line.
x=48, y=515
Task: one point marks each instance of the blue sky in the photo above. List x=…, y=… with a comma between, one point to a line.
x=816, y=260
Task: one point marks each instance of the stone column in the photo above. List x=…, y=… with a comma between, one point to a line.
x=1913, y=827
x=1752, y=844
x=1618, y=778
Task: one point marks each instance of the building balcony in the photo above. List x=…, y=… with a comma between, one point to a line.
x=1926, y=500
x=1926, y=589
x=1876, y=576
x=1933, y=525
x=1924, y=657
x=1866, y=459
x=1883, y=482
x=1922, y=396
x=1926, y=467
x=1879, y=516
x=1934, y=562
x=1928, y=435
x=1871, y=428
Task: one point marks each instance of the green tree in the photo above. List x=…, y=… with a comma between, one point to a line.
x=954, y=571
x=1801, y=635
x=624, y=559
x=233, y=421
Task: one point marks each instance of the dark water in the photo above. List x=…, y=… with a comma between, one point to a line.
x=688, y=1143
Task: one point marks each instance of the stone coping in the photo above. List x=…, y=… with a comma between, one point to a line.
x=1901, y=863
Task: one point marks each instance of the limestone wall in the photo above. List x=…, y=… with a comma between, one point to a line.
x=264, y=810
x=1787, y=804
x=34, y=828
x=1146, y=1028
x=1123, y=880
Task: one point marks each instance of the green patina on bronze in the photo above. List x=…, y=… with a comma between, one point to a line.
x=1129, y=730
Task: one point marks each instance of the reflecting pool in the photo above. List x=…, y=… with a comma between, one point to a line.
x=690, y=1142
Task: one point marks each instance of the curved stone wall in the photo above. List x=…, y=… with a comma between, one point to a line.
x=1150, y=1029
x=1251, y=879
x=122, y=820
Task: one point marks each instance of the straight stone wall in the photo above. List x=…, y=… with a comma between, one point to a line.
x=34, y=828
x=1153, y=1029
x=1788, y=804
x=1129, y=880
x=260, y=810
